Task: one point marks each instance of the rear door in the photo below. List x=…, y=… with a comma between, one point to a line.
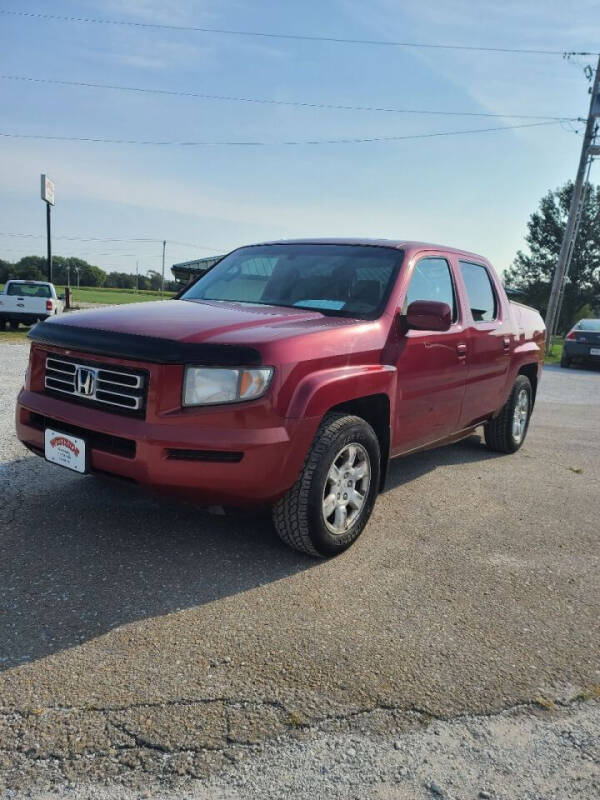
x=490, y=336
x=431, y=364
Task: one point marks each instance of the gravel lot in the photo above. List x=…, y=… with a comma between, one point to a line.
x=149, y=649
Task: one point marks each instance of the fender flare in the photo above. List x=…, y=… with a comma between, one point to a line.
x=320, y=391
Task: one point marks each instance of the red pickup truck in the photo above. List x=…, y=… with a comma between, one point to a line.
x=288, y=374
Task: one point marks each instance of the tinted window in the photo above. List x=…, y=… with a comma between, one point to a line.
x=432, y=280
x=28, y=290
x=588, y=325
x=482, y=298
x=344, y=280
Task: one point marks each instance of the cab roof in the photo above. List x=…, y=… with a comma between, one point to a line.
x=398, y=244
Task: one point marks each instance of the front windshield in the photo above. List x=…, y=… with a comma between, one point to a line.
x=343, y=280
x=588, y=325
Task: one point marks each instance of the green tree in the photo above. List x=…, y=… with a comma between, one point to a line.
x=5, y=268
x=120, y=280
x=89, y=275
x=532, y=272
x=155, y=279
x=32, y=268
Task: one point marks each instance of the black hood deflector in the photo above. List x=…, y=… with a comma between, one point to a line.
x=142, y=348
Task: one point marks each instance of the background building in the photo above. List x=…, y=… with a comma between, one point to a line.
x=186, y=271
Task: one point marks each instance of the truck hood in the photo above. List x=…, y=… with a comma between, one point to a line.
x=188, y=320
x=173, y=331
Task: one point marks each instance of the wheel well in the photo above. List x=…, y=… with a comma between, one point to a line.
x=531, y=371
x=374, y=409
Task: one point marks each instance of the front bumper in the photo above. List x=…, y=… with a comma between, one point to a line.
x=143, y=451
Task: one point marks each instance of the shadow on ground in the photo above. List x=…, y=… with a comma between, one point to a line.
x=82, y=556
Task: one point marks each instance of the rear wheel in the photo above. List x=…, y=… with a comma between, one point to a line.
x=327, y=508
x=14, y=324
x=565, y=361
x=507, y=432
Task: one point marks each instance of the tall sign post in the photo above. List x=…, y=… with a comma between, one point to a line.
x=48, y=198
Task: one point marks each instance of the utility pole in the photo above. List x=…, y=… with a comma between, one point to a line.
x=78, y=270
x=48, y=198
x=162, y=283
x=575, y=210
x=137, y=276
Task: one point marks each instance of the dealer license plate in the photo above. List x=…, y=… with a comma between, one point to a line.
x=595, y=351
x=66, y=450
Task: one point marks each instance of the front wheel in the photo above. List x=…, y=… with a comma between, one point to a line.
x=14, y=324
x=507, y=432
x=327, y=508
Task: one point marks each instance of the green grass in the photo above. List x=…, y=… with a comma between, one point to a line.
x=554, y=353
x=98, y=294
x=13, y=337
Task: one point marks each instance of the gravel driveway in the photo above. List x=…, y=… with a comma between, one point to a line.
x=452, y=652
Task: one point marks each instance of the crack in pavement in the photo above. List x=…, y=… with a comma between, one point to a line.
x=129, y=751
x=293, y=723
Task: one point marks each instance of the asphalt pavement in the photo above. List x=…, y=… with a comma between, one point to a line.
x=144, y=640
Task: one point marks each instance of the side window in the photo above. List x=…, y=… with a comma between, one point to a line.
x=432, y=280
x=481, y=294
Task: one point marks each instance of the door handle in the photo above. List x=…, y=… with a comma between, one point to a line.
x=461, y=349
x=506, y=343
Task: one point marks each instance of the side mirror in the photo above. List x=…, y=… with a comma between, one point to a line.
x=61, y=297
x=429, y=315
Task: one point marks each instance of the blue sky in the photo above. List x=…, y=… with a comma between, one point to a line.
x=471, y=191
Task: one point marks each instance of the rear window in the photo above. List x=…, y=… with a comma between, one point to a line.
x=28, y=290
x=588, y=325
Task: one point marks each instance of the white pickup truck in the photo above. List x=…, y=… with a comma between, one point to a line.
x=28, y=302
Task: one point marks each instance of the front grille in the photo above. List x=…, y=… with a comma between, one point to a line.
x=122, y=391
x=107, y=443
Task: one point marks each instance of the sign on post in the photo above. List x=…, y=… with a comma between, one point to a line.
x=47, y=190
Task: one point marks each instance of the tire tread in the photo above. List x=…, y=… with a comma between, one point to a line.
x=498, y=431
x=290, y=513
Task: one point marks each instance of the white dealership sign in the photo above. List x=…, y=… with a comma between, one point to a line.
x=47, y=190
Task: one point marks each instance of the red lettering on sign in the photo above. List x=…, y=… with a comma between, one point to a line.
x=61, y=440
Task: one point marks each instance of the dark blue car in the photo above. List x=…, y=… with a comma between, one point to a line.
x=582, y=343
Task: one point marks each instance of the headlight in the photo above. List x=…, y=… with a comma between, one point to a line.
x=209, y=385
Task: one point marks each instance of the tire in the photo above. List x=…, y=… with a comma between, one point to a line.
x=500, y=433
x=565, y=361
x=14, y=324
x=300, y=516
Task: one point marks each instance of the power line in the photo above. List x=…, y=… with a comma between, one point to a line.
x=82, y=253
x=268, y=101
x=347, y=140
x=292, y=36
x=111, y=239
